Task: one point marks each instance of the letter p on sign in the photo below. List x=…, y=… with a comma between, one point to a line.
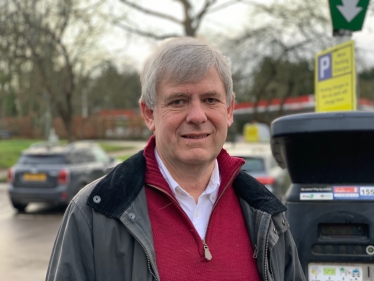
x=324, y=67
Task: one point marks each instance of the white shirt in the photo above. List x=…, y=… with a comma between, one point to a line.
x=199, y=213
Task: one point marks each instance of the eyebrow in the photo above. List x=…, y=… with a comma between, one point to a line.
x=211, y=94
x=182, y=95
x=176, y=96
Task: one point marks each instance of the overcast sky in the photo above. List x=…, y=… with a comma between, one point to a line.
x=134, y=49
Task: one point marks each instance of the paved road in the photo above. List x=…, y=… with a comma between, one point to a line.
x=26, y=240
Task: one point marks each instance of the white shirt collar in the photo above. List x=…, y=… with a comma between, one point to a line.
x=212, y=187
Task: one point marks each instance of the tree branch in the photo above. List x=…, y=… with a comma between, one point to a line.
x=150, y=12
x=144, y=33
x=64, y=52
x=201, y=14
x=223, y=6
x=189, y=30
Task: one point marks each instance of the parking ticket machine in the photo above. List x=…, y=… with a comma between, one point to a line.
x=330, y=203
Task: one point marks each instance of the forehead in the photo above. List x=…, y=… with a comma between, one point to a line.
x=209, y=81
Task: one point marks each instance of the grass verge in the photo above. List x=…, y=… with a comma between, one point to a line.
x=113, y=148
x=11, y=149
x=124, y=157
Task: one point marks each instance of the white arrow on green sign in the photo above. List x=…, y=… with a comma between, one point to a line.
x=348, y=14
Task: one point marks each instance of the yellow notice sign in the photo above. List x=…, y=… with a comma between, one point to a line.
x=335, y=79
x=251, y=133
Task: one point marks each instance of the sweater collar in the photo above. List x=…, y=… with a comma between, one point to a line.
x=228, y=166
x=119, y=188
x=212, y=187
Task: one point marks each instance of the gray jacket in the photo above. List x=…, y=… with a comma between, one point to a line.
x=106, y=233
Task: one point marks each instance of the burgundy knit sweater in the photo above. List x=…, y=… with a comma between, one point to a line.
x=179, y=249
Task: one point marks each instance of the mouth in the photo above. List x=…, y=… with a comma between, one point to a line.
x=195, y=136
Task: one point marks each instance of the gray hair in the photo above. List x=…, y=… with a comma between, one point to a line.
x=183, y=60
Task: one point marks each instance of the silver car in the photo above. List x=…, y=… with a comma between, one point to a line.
x=53, y=173
x=260, y=164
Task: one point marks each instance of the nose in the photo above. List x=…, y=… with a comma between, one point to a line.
x=196, y=113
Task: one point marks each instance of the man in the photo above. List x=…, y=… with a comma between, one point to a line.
x=181, y=209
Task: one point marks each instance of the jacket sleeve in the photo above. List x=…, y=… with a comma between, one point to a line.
x=72, y=254
x=293, y=269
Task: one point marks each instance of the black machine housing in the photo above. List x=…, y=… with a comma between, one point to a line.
x=330, y=160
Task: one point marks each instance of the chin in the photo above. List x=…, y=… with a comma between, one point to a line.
x=197, y=158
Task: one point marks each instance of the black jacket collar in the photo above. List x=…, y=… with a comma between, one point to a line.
x=118, y=189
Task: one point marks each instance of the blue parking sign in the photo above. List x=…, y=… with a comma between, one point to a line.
x=324, y=67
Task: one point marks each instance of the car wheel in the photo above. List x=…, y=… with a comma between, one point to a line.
x=20, y=207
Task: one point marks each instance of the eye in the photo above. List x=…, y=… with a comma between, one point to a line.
x=211, y=100
x=177, y=102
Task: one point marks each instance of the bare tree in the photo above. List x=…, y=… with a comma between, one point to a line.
x=56, y=39
x=188, y=22
x=286, y=32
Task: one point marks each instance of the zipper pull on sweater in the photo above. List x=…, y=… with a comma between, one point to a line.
x=207, y=254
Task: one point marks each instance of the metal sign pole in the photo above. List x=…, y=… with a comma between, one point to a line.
x=341, y=36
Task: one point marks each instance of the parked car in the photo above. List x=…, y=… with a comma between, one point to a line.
x=260, y=163
x=54, y=173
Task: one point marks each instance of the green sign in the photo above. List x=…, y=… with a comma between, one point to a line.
x=348, y=14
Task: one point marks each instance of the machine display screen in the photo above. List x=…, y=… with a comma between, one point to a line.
x=343, y=230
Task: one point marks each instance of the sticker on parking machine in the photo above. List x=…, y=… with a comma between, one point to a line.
x=346, y=192
x=316, y=196
x=334, y=272
x=353, y=192
x=316, y=189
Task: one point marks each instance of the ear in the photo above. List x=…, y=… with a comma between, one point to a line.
x=148, y=116
x=230, y=111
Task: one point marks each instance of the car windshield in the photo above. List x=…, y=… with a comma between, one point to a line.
x=42, y=159
x=253, y=164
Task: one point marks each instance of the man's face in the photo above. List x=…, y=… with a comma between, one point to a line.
x=190, y=121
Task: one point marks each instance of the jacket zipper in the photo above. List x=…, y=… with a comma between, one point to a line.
x=266, y=256
x=146, y=254
x=148, y=261
x=255, y=252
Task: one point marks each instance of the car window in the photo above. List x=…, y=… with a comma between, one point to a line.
x=100, y=155
x=41, y=159
x=253, y=164
x=80, y=156
x=74, y=158
x=88, y=156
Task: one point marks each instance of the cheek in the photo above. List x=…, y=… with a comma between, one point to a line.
x=222, y=120
x=170, y=119
x=165, y=123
